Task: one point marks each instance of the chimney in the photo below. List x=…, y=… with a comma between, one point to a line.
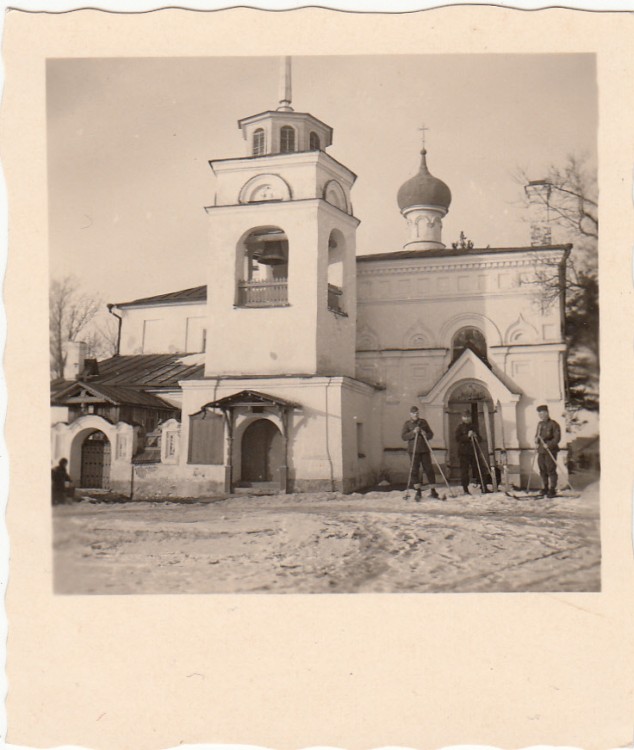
x=75, y=355
x=538, y=194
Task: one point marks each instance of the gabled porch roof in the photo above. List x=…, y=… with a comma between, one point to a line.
x=80, y=392
x=469, y=366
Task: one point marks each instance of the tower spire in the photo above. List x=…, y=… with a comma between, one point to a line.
x=286, y=95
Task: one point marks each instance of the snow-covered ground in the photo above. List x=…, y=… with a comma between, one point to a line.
x=330, y=543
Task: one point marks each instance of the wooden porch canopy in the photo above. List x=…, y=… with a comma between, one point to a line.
x=255, y=401
x=251, y=398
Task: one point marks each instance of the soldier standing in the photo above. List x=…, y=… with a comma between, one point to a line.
x=547, y=440
x=417, y=433
x=466, y=433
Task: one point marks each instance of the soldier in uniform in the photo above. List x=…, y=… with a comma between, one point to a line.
x=466, y=432
x=413, y=431
x=547, y=440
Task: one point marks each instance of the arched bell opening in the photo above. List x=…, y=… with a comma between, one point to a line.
x=470, y=397
x=336, y=285
x=263, y=268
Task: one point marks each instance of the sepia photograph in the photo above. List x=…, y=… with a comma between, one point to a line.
x=324, y=324
x=318, y=378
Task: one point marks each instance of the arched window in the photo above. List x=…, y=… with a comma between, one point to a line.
x=313, y=142
x=287, y=139
x=469, y=337
x=258, y=142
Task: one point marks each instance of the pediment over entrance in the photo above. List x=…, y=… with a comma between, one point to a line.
x=469, y=367
x=250, y=398
x=80, y=392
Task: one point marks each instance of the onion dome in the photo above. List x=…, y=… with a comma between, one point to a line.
x=423, y=189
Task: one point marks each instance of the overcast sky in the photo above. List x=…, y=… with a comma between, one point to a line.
x=129, y=142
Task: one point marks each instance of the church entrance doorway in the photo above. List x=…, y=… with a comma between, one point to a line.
x=95, y=461
x=262, y=452
x=476, y=399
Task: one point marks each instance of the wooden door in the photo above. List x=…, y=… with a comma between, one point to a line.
x=95, y=462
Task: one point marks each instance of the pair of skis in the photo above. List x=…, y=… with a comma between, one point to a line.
x=536, y=494
x=411, y=467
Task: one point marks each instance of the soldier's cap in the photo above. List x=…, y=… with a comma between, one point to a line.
x=414, y=408
x=542, y=407
x=466, y=413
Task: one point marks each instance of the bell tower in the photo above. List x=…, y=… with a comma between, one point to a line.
x=282, y=276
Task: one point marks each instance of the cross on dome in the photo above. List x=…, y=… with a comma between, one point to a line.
x=423, y=129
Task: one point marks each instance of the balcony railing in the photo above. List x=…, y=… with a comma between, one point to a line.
x=263, y=293
x=335, y=294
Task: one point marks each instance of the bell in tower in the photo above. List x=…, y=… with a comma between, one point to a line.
x=270, y=248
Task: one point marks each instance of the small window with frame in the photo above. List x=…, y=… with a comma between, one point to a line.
x=287, y=139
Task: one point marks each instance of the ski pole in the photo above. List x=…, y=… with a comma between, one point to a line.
x=475, y=453
x=411, y=466
x=554, y=460
x=442, y=473
x=486, y=464
x=530, y=473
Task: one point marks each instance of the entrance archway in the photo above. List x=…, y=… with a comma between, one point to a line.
x=95, y=461
x=262, y=452
x=475, y=398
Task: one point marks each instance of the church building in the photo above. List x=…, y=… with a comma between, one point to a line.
x=294, y=365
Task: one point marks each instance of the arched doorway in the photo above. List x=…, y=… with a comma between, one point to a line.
x=95, y=461
x=262, y=452
x=475, y=398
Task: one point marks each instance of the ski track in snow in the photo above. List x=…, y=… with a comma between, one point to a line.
x=329, y=543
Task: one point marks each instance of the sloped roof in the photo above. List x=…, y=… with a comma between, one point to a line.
x=470, y=365
x=149, y=370
x=126, y=379
x=194, y=294
x=450, y=252
x=59, y=384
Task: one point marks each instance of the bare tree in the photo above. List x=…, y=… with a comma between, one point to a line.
x=70, y=312
x=570, y=201
x=102, y=336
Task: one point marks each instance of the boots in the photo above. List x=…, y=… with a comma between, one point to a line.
x=433, y=494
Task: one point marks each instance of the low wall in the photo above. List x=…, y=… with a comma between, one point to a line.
x=164, y=481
